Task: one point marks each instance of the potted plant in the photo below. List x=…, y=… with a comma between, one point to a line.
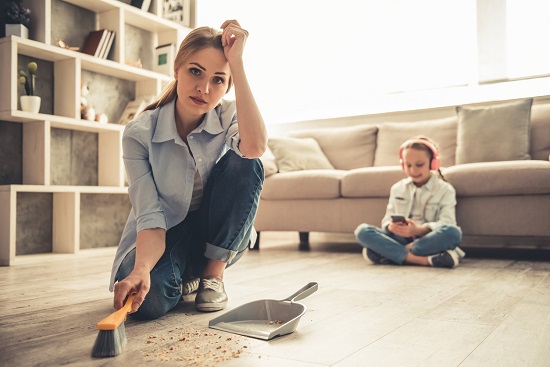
x=17, y=18
x=29, y=102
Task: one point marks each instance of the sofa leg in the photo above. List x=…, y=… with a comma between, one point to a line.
x=256, y=245
x=304, y=241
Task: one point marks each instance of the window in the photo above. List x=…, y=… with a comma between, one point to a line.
x=313, y=59
x=528, y=31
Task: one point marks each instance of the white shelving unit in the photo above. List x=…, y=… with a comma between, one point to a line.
x=68, y=66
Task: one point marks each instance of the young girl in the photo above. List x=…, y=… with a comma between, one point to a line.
x=194, y=179
x=428, y=235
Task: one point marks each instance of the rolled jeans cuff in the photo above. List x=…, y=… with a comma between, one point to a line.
x=218, y=253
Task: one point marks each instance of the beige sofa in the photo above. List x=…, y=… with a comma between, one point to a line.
x=496, y=157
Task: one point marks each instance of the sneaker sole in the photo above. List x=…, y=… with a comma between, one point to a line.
x=210, y=307
x=461, y=254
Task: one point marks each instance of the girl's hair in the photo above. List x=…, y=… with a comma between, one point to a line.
x=425, y=148
x=198, y=39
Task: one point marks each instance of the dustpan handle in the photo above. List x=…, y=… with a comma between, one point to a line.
x=303, y=293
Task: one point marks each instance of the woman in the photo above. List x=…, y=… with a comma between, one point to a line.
x=192, y=211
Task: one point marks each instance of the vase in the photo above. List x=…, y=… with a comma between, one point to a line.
x=17, y=30
x=30, y=104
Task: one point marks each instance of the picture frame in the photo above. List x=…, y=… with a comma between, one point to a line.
x=164, y=59
x=133, y=108
x=141, y=4
x=178, y=11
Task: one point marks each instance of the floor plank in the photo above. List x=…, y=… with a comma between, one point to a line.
x=490, y=311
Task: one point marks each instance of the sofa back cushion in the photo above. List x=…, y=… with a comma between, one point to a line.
x=347, y=147
x=269, y=162
x=392, y=134
x=295, y=154
x=540, y=131
x=494, y=133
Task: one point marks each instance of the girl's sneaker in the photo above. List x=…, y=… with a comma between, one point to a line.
x=368, y=254
x=460, y=252
x=447, y=259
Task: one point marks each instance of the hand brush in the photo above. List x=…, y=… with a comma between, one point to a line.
x=111, y=338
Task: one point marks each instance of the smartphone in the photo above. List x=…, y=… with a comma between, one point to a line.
x=398, y=218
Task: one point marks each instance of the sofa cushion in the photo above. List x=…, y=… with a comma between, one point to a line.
x=540, y=131
x=392, y=134
x=500, y=178
x=494, y=133
x=293, y=154
x=310, y=184
x=345, y=147
x=269, y=162
x=370, y=181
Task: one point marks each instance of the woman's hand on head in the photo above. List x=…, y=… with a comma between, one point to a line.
x=233, y=40
x=137, y=283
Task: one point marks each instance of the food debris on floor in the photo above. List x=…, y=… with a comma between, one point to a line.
x=194, y=346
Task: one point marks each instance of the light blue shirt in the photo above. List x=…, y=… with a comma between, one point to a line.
x=161, y=170
x=436, y=201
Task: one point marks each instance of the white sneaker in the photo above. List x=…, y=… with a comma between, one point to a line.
x=189, y=286
x=461, y=254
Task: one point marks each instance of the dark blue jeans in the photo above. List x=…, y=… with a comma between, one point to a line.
x=392, y=247
x=219, y=230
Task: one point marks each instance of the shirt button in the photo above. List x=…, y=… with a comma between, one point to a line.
x=199, y=160
x=191, y=137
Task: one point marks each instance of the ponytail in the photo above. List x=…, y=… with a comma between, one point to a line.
x=166, y=96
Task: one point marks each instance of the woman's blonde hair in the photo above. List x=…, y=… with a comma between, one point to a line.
x=198, y=39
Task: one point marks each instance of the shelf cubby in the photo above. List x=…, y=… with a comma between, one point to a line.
x=65, y=173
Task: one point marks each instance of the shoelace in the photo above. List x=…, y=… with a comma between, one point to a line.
x=191, y=285
x=213, y=284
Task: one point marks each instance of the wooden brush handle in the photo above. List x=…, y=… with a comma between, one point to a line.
x=114, y=320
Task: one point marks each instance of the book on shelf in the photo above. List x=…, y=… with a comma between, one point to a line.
x=107, y=45
x=164, y=59
x=141, y=4
x=94, y=42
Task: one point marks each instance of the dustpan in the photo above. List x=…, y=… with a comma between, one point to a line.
x=265, y=319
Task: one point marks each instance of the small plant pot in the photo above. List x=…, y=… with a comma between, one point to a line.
x=30, y=104
x=17, y=30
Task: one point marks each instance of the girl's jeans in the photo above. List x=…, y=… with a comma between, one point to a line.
x=392, y=247
x=219, y=230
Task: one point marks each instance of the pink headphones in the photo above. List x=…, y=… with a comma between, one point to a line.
x=435, y=162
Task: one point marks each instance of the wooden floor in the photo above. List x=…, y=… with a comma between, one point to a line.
x=490, y=311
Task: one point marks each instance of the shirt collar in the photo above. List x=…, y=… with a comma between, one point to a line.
x=166, y=123
x=211, y=122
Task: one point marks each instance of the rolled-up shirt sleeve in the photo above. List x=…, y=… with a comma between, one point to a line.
x=142, y=188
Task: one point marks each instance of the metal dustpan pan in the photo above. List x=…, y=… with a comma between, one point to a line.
x=267, y=318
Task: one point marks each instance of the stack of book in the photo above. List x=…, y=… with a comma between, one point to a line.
x=99, y=43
